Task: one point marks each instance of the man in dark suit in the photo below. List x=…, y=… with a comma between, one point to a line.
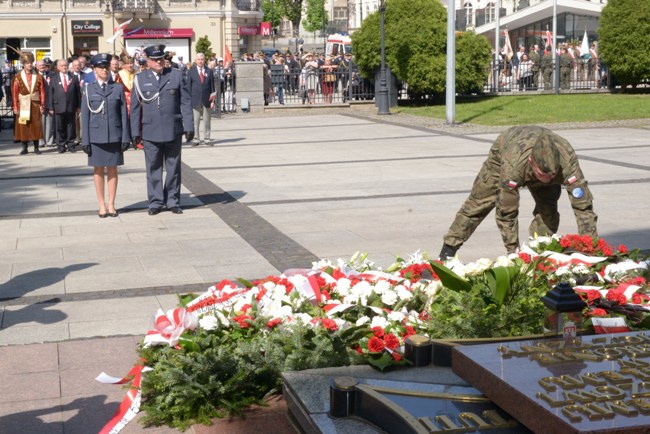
x=161, y=112
x=200, y=80
x=46, y=120
x=64, y=103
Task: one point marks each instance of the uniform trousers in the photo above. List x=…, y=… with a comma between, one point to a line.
x=156, y=154
x=202, y=113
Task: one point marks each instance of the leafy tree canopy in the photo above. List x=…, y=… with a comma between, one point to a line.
x=315, y=18
x=203, y=45
x=273, y=12
x=416, y=44
x=624, y=40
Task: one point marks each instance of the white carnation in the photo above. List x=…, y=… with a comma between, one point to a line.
x=379, y=321
x=343, y=286
x=363, y=320
x=478, y=267
x=396, y=317
x=209, y=322
x=389, y=298
x=403, y=293
x=382, y=287
x=504, y=261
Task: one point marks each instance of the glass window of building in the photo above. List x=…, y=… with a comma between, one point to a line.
x=469, y=14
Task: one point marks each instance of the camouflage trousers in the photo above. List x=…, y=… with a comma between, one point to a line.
x=482, y=200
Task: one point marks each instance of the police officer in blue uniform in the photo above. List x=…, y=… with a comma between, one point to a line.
x=105, y=130
x=161, y=112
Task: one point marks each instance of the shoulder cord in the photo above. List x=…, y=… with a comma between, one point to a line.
x=101, y=106
x=136, y=84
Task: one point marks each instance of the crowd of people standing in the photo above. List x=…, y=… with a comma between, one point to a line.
x=532, y=69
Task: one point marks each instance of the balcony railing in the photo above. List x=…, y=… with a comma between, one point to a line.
x=134, y=6
x=248, y=5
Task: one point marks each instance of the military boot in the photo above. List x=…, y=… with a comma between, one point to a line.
x=447, y=252
x=36, y=150
x=24, y=151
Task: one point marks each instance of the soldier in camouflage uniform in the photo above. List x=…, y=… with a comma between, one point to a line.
x=566, y=65
x=547, y=69
x=524, y=156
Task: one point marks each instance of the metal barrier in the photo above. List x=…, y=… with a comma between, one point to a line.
x=561, y=76
x=225, y=93
x=6, y=110
x=309, y=87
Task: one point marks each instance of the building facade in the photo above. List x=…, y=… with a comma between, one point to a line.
x=61, y=28
x=528, y=20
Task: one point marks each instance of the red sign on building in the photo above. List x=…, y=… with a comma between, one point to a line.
x=248, y=30
x=160, y=33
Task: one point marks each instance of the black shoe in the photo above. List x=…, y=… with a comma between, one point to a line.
x=154, y=211
x=61, y=149
x=23, y=152
x=72, y=149
x=447, y=252
x=37, y=151
x=176, y=210
x=102, y=216
x=113, y=214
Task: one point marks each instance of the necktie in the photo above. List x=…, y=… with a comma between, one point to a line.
x=103, y=87
x=65, y=83
x=201, y=74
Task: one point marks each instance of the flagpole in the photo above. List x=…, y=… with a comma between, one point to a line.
x=556, y=69
x=497, y=31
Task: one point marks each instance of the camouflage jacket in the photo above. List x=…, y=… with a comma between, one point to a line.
x=508, y=161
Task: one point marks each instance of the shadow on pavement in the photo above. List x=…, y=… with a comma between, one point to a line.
x=81, y=416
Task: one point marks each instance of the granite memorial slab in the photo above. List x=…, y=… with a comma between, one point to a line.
x=589, y=384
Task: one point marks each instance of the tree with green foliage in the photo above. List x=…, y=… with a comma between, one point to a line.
x=624, y=40
x=272, y=13
x=416, y=45
x=203, y=45
x=315, y=17
x=289, y=9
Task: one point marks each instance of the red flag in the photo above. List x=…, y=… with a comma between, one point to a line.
x=228, y=56
x=507, y=48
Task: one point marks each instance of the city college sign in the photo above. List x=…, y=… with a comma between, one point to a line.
x=87, y=27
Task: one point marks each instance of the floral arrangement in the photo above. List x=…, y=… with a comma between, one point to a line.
x=225, y=349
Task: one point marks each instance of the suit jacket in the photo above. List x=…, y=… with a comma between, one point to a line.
x=61, y=101
x=163, y=106
x=200, y=91
x=109, y=125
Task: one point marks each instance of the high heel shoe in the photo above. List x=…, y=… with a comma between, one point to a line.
x=113, y=214
x=102, y=216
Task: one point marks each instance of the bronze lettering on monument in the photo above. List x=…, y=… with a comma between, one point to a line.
x=581, y=384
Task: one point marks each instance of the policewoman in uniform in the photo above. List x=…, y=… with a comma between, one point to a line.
x=105, y=130
x=161, y=112
x=524, y=156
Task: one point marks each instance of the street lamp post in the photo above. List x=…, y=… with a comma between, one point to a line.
x=273, y=22
x=110, y=8
x=382, y=94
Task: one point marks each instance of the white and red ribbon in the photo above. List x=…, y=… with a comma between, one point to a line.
x=168, y=327
x=130, y=405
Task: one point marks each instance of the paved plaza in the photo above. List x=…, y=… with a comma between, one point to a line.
x=277, y=191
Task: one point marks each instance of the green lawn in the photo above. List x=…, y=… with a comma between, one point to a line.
x=540, y=109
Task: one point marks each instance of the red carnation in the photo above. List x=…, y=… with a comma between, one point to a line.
x=378, y=331
x=617, y=296
x=375, y=345
x=243, y=321
x=622, y=249
x=599, y=312
x=391, y=341
x=329, y=324
x=225, y=282
x=274, y=322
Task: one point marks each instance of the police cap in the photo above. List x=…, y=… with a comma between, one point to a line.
x=101, y=59
x=546, y=154
x=155, y=51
